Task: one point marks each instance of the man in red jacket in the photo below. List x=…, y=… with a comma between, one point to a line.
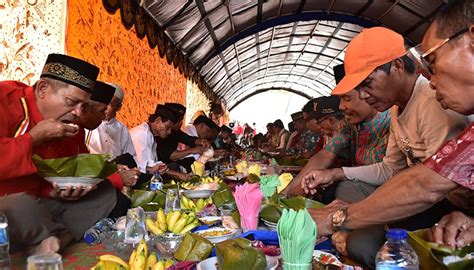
x=37, y=120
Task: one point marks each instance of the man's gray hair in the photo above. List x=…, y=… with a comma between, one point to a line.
x=118, y=91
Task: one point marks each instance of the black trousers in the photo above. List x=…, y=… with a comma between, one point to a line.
x=363, y=244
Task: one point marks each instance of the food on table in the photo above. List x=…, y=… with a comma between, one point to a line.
x=139, y=260
x=177, y=222
x=230, y=172
x=193, y=248
x=207, y=186
x=195, y=206
x=213, y=233
x=239, y=254
x=229, y=223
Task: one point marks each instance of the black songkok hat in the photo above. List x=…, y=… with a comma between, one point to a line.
x=226, y=129
x=163, y=112
x=178, y=109
x=207, y=121
x=297, y=116
x=71, y=71
x=326, y=106
x=103, y=92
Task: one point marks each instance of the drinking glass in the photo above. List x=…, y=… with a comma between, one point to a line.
x=172, y=200
x=45, y=262
x=135, y=229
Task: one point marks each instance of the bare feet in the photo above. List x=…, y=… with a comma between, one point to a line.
x=339, y=240
x=47, y=246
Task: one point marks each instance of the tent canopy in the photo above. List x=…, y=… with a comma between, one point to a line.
x=240, y=47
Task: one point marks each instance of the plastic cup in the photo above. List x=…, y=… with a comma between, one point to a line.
x=45, y=262
x=248, y=223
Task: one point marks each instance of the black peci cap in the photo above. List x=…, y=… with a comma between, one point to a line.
x=163, y=112
x=178, y=109
x=103, y=92
x=202, y=119
x=326, y=106
x=71, y=70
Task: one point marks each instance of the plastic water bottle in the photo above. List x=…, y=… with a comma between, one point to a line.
x=4, y=243
x=396, y=253
x=92, y=235
x=156, y=182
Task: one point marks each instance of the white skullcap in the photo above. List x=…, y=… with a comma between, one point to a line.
x=118, y=91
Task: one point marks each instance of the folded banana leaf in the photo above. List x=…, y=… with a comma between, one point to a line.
x=83, y=165
x=239, y=254
x=273, y=207
x=253, y=178
x=149, y=200
x=430, y=255
x=194, y=248
x=223, y=195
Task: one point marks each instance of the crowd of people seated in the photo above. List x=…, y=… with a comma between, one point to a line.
x=391, y=147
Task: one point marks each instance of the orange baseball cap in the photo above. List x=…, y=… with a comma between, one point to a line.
x=370, y=49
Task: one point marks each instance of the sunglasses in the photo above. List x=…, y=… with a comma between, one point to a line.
x=422, y=57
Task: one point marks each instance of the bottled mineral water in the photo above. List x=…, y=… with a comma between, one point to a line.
x=396, y=253
x=156, y=182
x=92, y=235
x=4, y=243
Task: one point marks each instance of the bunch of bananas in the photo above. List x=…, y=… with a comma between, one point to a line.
x=185, y=185
x=139, y=260
x=195, y=206
x=209, y=179
x=177, y=222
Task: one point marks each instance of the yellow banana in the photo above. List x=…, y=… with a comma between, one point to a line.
x=151, y=260
x=161, y=219
x=184, y=203
x=173, y=182
x=168, y=216
x=139, y=262
x=153, y=227
x=168, y=263
x=173, y=219
x=178, y=227
x=108, y=265
x=142, y=247
x=98, y=266
x=189, y=227
x=113, y=258
x=132, y=257
x=160, y=265
x=200, y=203
x=191, y=204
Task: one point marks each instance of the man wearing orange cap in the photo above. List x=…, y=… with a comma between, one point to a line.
x=410, y=192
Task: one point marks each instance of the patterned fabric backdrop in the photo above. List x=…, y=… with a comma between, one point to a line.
x=100, y=38
x=29, y=31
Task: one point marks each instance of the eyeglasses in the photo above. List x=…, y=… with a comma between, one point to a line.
x=421, y=56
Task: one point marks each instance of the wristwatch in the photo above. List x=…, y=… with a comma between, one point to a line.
x=338, y=218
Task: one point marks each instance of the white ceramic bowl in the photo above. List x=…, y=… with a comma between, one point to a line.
x=196, y=194
x=73, y=181
x=217, y=239
x=210, y=220
x=211, y=263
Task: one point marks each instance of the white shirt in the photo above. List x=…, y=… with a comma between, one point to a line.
x=110, y=137
x=191, y=131
x=145, y=146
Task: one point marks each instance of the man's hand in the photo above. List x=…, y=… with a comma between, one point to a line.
x=70, y=193
x=316, y=178
x=197, y=150
x=51, y=129
x=455, y=230
x=129, y=176
x=323, y=218
x=158, y=168
x=203, y=142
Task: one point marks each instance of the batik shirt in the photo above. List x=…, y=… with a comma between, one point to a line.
x=364, y=143
x=455, y=160
x=308, y=142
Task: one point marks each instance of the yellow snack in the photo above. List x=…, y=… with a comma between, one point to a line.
x=197, y=168
x=255, y=169
x=285, y=180
x=241, y=166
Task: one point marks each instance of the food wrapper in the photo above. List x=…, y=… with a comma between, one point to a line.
x=285, y=180
x=269, y=184
x=430, y=255
x=197, y=168
x=83, y=165
x=194, y=248
x=236, y=254
x=272, y=208
x=241, y=167
x=255, y=169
